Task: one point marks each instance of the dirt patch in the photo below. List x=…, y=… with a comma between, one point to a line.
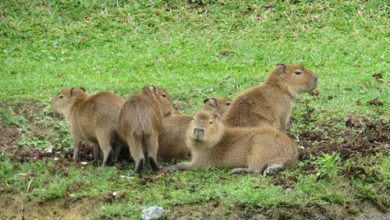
x=365, y=137
x=12, y=208
x=212, y=210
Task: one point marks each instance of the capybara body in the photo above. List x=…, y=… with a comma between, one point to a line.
x=140, y=121
x=272, y=102
x=92, y=118
x=172, y=139
x=259, y=150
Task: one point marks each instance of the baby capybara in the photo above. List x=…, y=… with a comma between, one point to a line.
x=172, y=139
x=92, y=118
x=140, y=122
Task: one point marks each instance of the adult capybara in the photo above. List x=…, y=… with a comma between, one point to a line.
x=271, y=103
x=260, y=150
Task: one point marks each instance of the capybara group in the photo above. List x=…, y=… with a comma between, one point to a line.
x=272, y=102
x=259, y=150
x=92, y=118
x=140, y=122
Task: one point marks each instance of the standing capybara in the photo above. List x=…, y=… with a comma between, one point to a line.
x=172, y=138
x=92, y=118
x=271, y=103
x=140, y=122
x=259, y=150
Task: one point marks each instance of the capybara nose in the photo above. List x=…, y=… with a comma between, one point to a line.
x=198, y=130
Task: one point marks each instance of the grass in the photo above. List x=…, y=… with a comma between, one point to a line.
x=193, y=49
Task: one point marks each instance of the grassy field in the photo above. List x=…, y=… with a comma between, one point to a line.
x=194, y=50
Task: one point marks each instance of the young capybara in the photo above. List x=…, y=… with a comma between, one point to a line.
x=259, y=150
x=92, y=118
x=172, y=145
x=271, y=103
x=140, y=121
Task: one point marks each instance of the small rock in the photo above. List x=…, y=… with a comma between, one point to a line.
x=152, y=212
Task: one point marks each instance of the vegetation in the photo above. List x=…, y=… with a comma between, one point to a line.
x=194, y=49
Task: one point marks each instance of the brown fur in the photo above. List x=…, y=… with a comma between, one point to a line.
x=172, y=144
x=92, y=118
x=140, y=122
x=271, y=103
x=247, y=149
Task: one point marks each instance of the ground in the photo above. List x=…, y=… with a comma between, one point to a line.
x=196, y=49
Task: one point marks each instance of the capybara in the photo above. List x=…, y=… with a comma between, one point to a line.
x=259, y=150
x=140, y=122
x=271, y=103
x=92, y=118
x=172, y=145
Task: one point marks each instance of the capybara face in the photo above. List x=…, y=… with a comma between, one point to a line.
x=219, y=105
x=204, y=126
x=296, y=77
x=166, y=103
x=62, y=102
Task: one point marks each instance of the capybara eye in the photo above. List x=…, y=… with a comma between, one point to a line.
x=298, y=72
x=164, y=96
x=228, y=103
x=61, y=96
x=211, y=122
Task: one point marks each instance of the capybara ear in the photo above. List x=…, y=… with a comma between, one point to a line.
x=149, y=90
x=72, y=92
x=216, y=115
x=82, y=88
x=281, y=68
x=213, y=102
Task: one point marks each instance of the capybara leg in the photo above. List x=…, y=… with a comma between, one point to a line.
x=105, y=145
x=96, y=152
x=193, y=165
x=243, y=170
x=272, y=169
x=136, y=152
x=152, y=148
x=76, y=148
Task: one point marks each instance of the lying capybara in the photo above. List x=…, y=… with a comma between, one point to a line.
x=259, y=150
x=172, y=145
x=140, y=122
x=92, y=118
x=271, y=103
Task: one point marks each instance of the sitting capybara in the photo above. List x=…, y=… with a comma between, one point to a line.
x=140, y=122
x=172, y=138
x=271, y=103
x=259, y=150
x=92, y=118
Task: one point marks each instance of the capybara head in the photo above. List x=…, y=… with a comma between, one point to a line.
x=205, y=127
x=220, y=104
x=295, y=77
x=62, y=102
x=162, y=97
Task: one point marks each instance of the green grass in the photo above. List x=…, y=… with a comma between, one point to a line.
x=121, y=46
